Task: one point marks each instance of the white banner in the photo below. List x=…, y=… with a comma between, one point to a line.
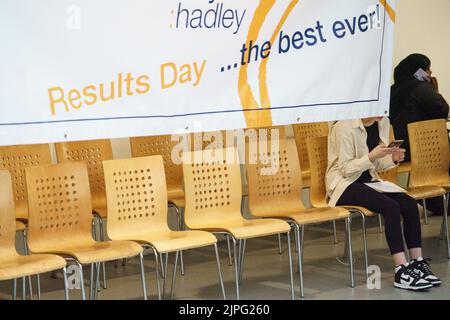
x=89, y=69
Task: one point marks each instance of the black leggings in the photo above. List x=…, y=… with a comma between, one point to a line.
x=392, y=206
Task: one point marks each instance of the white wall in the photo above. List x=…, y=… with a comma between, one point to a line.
x=424, y=27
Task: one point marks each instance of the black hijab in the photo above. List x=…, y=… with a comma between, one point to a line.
x=405, y=81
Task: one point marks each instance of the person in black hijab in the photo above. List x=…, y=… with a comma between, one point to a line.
x=414, y=100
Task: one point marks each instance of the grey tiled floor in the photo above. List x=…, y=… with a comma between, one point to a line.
x=266, y=271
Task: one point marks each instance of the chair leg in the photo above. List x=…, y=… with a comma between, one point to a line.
x=380, y=223
x=14, y=293
x=335, y=233
x=66, y=284
x=97, y=281
x=280, y=247
x=38, y=284
x=220, y=271
x=180, y=227
x=103, y=238
x=446, y=224
x=291, y=276
x=366, y=259
x=165, y=276
x=241, y=262
x=350, y=251
x=25, y=249
x=161, y=263
x=24, y=289
x=83, y=292
x=236, y=267
x=298, y=236
x=230, y=259
x=157, y=267
x=144, y=286
x=425, y=211
x=91, y=282
x=174, y=276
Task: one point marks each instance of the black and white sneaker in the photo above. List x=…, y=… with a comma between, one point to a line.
x=406, y=278
x=421, y=267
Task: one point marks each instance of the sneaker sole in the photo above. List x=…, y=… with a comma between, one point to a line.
x=407, y=287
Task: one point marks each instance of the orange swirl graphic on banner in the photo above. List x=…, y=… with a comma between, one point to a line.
x=390, y=11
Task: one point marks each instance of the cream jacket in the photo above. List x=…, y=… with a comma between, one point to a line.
x=348, y=156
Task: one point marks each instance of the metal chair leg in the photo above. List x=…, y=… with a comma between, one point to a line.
x=236, y=267
x=230, y=259
x=350, y=251
x=103, y=238
x=179, y=213
x=335, y=233
x=165, y=276
x=24, y=289
x=298, y=236
x=241, y=263
x=38, y=284
x=291, y=276
x=445, y=201
x=174, y=276
x=425, y=211
x=83, y=292
x=66, y=284
x=25, y=249
x=14, y=293
x=97, y=281
x=380, y=223
x=157, y=267
x=144, y=286
x=91, y=282
x=220, y=271
x=366, y=259
x=280, y=247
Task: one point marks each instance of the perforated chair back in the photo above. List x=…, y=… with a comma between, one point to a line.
x=60, y=206
x=7, y=216
x=92, y=153
x=163, y=146
x=429, y=152
x=304, y=131
x=15, y=159
x=318, y=154
x=212, y=186
x=275, y=180
x=137, y=196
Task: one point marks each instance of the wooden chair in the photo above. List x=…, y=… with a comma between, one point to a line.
x=213, y=190
x=92, y=153
x=430, y=164
x=276, y=192
x=60, y=220
x=302, y=132
x=137, y=202
x=15, y=159
x=163, y=146
x=14, y=266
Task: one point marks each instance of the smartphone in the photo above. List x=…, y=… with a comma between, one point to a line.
x=421, y=75
x=396, y=144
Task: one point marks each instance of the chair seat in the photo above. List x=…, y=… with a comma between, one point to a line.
x=18, y=266
x=446, y=186
x=246, y=228
x=102, y=212
x=100, y=251
x=366, y=212
x=319, y=215
x=20, y=226
x=171, y=241
x=425, y=192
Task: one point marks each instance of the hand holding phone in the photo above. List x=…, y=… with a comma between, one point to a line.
x=422, y=75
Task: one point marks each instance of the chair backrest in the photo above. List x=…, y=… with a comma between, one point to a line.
x=163, y=146
x=7, y=216
x=60, y=206
x=304, y=131
x=275, y=184
x=137, y=196
x=213, y=186
x=92, y=153
x=429, y=152
x=318, y=154
x=15, y=159
x=391, y=174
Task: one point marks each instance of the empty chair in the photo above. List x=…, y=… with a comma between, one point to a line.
x=137, y=202
x=15, y=159
x=275, y=191
x=430, y=164
x=61, y=217
x=14, y=266
x=213, y=203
